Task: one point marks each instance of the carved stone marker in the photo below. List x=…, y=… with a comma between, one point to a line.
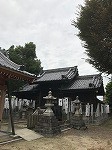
x=47, y=124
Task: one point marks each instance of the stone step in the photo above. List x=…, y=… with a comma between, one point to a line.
x=64, y=126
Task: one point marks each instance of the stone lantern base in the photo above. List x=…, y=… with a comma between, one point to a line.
x=47, y=126
x=77, y=122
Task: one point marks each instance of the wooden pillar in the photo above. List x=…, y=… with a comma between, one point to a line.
x=10, y=108
x=2, y=101
x=2, y=95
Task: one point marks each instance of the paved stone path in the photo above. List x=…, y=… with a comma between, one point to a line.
x=27, y=134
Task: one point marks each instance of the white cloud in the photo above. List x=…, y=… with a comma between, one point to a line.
x=47, y=23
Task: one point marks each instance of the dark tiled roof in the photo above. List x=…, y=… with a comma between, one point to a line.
x=5, y=62
x=86, y=82
x=58, y=74
x=8, y=64
x=28, y=87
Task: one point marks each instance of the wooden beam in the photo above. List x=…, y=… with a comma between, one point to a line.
x=15, y=74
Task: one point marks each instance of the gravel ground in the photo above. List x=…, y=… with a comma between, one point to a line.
x=94, y=138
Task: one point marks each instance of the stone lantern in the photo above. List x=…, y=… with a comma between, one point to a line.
x=49, y=103
x=47, y=123
x=77, y=106
x=77, y=120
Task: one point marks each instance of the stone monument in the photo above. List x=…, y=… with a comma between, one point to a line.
x=29, y=116
x=47, y=123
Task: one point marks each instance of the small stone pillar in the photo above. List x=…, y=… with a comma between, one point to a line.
x=24, y=107
x=77, y=120
x=47, y=124
x=29, y=116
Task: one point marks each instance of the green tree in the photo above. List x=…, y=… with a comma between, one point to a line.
x=26, y=55
x=109, y=93
x=94, y=22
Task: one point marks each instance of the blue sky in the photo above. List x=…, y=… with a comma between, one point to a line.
x=47, y=23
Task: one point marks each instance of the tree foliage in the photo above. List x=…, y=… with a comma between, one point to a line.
x=26, y=55
x=109, y=93
x=94, y=22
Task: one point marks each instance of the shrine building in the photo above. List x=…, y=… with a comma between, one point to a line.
x=64, y=82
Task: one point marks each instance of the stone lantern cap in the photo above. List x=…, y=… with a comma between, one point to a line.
x=77, y=100
x=49, y=97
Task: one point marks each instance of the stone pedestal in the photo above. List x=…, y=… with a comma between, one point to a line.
x=77, y=122
x=47, y=124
